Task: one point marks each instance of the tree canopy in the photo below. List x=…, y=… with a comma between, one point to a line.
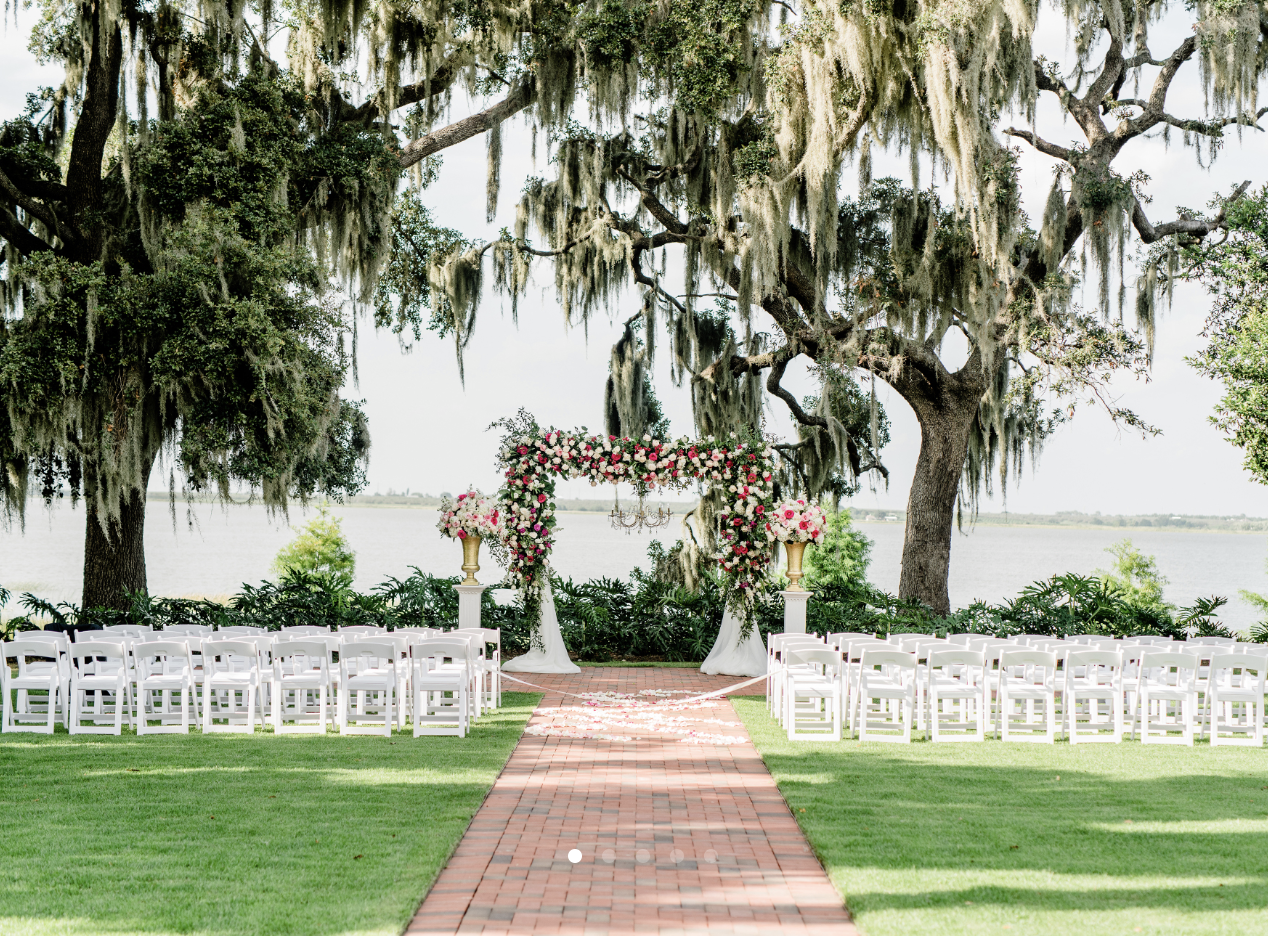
x=185, y=217
x=724, y=130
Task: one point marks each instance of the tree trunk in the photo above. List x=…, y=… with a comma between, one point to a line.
x=114, y=557
x=946, y=416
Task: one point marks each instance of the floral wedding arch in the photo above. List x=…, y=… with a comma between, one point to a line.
x=534, y=459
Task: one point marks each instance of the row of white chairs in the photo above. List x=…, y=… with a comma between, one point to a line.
x=299, y=680
x=1087, y=688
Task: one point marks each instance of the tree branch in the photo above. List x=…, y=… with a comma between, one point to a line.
x=779, y=363
x=19, y=235
x=35, y=209
x=1043, y=146
x=524, y=94
x=1197, y=228
x=1213, y=128
x=1154, y=107
x=436, y=84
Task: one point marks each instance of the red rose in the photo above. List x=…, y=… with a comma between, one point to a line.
x=752, y=477
x=788, y=514
x=541, y=497
x=760, y=510
x=803, y=524
x=523, y=450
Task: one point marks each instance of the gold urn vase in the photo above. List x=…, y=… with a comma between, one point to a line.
x=795, y=550
x=470, y=558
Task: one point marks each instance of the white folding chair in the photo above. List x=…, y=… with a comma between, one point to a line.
x=232, y=685
x=368, y=685
x=441, y=686
x=226, y=633
x=851, y=670
x=1236, y=699
x=1026, y=677
x=164, y=680
x=301, y=687
x=39, y=670
x=813, y=693
x=887, y=677
x=99, y=668
x=1094, y=676
x=956, y=675
x=1168, y=697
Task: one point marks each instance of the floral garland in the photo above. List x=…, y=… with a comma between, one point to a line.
x=472, y=514
x=534, y=458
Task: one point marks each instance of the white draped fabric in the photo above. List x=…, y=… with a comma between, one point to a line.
x=732, y=656
x=554, y=658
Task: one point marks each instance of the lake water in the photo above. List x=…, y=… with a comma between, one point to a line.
x=228, y=546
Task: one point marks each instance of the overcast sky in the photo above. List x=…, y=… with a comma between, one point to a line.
x=429, y=430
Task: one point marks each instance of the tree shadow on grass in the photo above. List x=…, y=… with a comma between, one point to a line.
x=239, y=834
x=1049, y=828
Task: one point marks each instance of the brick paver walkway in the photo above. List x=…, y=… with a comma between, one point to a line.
x=675, y=837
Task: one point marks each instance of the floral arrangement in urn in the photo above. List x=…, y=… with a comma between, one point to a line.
x=472, y=513
x=797, y=523
x=472, y=517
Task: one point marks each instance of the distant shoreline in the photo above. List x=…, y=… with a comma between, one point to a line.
x=1128, y=522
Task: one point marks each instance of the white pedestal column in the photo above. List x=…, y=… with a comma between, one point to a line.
x=469, y=605
x=795, y=610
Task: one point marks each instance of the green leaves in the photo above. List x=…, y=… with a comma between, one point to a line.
x=1235, y=274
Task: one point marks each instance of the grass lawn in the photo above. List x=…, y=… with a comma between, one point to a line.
x=236, y=834
x=1030, y=838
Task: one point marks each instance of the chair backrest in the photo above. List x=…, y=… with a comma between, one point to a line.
x=888, y=657
x=314, y=651
x=354, y=646
x=1109, y=659
x=819, y=654
x=305, y=630
x=246, y=647
x=1086, y=637
x=50, y=636
x=143, y=651
x=1165, y=659
x=1027, y=657
x=908, y=636
x=963, y=639
x=25, y=645
x=957, y=656
x=236, y=630
x=1246, y=662
x=82, y=650
x=858, y=647
x=1214, y=640
x=362, y=628
x=1146, y=639
x=421, y=652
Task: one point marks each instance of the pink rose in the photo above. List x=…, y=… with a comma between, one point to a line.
x=523, y=450
x=788, y=513
x=541, y=497
x=803, y=524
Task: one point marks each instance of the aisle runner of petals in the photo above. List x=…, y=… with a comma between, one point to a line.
x=604, y=712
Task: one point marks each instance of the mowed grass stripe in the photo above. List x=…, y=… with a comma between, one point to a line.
x=236, y=834
x=1028, y=838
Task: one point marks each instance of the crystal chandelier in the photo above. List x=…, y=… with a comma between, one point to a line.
x=639, y=519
